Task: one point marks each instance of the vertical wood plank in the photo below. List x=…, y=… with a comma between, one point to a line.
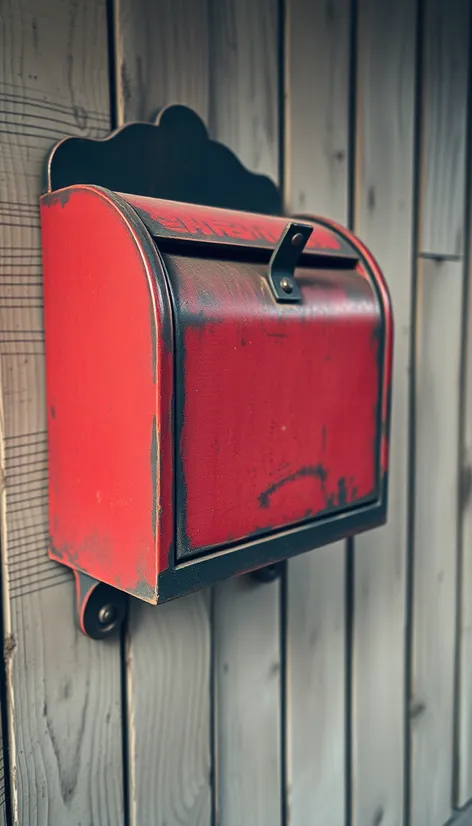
x=317, y=64
x=244, y=114
x=463, y=755
x=247, y=693
x=64, y=690
x=464, y=727
x=437, y=406
x=383, y=219
x=438, y=346
x=162, y=58
x=3, y=780
x=443, y=124
x=244, y=110
x=316, y=181
x=162, y=51
x=169, y=673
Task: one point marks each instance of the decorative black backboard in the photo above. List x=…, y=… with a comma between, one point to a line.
x=173, y=159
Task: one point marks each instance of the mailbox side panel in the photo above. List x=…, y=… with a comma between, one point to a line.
x=109, y=391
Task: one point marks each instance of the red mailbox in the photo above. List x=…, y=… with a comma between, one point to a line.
x=218, y=392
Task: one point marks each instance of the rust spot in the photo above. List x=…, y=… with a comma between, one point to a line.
x=143, y=589
x=342, y=491
x=57, y=552
x=61, y=197
x=153, y=340
x=316, y=471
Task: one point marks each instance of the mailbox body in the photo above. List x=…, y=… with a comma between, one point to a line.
x=199, y=428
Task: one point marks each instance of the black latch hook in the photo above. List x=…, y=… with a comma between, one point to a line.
x=285, y=258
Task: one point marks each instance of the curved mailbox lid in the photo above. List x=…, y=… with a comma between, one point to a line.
x=173, y=221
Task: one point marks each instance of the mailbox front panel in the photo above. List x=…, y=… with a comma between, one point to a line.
x=277, y=404
x=198, y=427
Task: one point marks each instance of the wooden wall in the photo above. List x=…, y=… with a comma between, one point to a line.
x=342, y=694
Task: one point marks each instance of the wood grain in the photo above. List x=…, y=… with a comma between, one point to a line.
x=438, y=348
x=437, y=408
x=162, y=58
x=244, y=113
x=3, y=780
x=385, y=109
x=463, y=753
x=243, y=105
x=247, y=698
x=169, y=709
x=316, y=688
x=317, y=58
x=316, y=181
x=445, y=39
x=64, y=690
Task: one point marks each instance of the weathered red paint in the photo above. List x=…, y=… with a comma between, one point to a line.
x=193, y=222
x=189, y=413
x=279, y=402
x=109, y=376
x=385, y=300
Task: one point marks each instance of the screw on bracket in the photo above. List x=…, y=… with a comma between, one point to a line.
x=285, y=258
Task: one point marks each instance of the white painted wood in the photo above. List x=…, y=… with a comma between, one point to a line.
x=317, y=61
x=169, y=699
x=244, y=81
x=443, y=125
x=162, y=57
x=3, y=781
x=64, y=690
x=247, y=702
x=383, y=219
x=316, y=688
x=316, y=181
x=437, y=408
x=244, y=115
x=464, y=728
x=438, y=348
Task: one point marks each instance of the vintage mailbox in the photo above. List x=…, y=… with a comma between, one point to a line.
x=217, y=385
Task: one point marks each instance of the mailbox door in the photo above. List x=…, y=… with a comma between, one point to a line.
x=277, y=405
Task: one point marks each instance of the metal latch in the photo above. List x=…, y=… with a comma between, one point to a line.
x=285, y=258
